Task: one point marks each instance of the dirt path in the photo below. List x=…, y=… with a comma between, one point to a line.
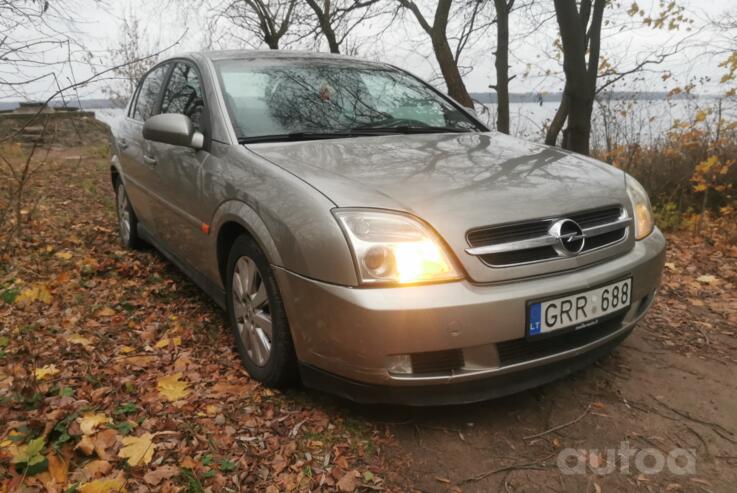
x=672, y=384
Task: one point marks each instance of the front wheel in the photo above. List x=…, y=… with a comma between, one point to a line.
x=257, y=316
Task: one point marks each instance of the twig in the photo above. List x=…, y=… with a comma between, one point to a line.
x=538, y=464
x=559, y=427
x=718, y=429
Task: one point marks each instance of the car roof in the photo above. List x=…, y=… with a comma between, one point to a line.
x=216, y=55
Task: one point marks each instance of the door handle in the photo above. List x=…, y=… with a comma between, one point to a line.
x=151, y=161
x=122, y=143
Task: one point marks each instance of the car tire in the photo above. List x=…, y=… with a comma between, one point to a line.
x=257, y=316
x=127, y=220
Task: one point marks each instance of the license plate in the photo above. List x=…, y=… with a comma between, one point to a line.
x=578, y=310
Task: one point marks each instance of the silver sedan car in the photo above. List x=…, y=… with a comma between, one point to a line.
x=370, y=237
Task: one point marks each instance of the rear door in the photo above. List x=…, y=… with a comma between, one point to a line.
x=139, y=174
x=180, y=217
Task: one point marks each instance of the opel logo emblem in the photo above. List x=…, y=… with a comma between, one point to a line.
x=569, y=237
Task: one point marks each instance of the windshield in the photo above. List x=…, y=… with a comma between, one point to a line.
x=303, y=98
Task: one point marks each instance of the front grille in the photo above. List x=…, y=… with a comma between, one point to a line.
x=521, y=350
x=437, y=361
x=499, y=236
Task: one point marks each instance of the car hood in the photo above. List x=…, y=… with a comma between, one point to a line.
x=455, y=182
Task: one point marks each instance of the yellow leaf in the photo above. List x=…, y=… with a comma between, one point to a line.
x=90, y=421
x=127, y=349
x=78, y=339
x=46, y=371
x=106, y=312
x=700, y=116
x=707, y=279
x=171, y=387
x=138, y=449
x=107, y=485
x=177, y=341
x=700, y=187
x=35, y=293
x=63, y=255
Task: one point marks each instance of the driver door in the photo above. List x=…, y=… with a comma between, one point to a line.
x=180, y=215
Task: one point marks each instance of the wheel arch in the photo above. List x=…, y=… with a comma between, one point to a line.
x=115, y=173
x=233, y=219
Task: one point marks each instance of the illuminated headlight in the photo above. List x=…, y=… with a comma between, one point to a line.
x=394, y=248
x=644, y=221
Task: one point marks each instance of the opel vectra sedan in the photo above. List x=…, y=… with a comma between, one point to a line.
x=371, y=237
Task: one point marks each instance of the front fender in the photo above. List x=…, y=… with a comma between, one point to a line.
x=240, y=213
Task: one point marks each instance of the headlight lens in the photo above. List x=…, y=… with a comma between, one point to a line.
x=644, y=221
x=395, y=248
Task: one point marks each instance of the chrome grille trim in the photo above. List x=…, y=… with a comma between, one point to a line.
x=551, y=241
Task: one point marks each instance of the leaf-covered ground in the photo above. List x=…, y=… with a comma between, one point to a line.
x=117, y=374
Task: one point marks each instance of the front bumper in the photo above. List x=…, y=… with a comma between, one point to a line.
x=349, y=333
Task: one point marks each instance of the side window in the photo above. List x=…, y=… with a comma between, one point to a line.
x=183, y=94
x=148, y=95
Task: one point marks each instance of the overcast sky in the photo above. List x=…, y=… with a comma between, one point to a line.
x=625, y=42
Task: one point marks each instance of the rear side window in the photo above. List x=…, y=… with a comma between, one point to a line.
x=148, y=95
x=183, y=94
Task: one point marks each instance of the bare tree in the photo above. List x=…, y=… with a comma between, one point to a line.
x=447, y=58
x=580, y=28
x=580, y=32
x=269, y=20
x=501, y=63
x=337, y=19
x=132, y=57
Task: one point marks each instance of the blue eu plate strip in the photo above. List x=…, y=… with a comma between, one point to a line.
x=535, y=318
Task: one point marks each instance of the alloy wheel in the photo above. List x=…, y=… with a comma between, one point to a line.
x=251, y=309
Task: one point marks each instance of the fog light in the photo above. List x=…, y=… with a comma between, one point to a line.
x=399, y=363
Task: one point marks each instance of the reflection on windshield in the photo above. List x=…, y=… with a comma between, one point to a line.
x=320, y=97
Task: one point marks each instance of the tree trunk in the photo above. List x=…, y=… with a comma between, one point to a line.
x=556, y=125
x=444, y=55
x=575, y=95
x=453, y=80
x=577, y=104
x=323, y=17
x=502, y=65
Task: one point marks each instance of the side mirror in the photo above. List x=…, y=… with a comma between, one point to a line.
x=173, y=128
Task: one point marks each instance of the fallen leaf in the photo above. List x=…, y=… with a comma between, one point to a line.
x=106, y=312
x=78, y=339
x=105, y=440
x=90, y=421
x=107, y=485
x=97, y=468
x=159, y=474
x=63, y=255
x=46, y=371
x=58, y=468
x=138, y=449
x=349, y=481
x=30, y=453
x=85, y=445
x=36, y=293
x=707, y=279
x=171, y=387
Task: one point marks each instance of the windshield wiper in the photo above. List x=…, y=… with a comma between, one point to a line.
x=407, y=129
x=294, y=136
